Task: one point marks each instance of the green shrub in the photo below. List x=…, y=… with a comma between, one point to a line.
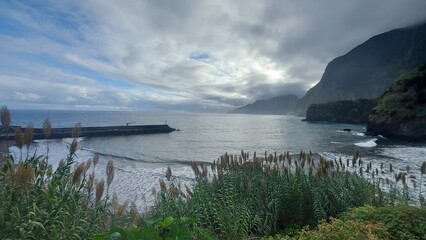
x=402, y=222
x=338, y=229
x=158, y=229
x=350, y=230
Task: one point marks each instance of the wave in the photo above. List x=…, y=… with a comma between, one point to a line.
x=361, y=134
x=368, y=144
x=355, y=133
x=140, y=160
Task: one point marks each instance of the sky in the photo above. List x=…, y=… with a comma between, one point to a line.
x=179, y=55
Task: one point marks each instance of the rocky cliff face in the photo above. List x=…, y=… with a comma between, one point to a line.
x=370, y=68
x=401, y=111
x=345, y=111
x=280, y=105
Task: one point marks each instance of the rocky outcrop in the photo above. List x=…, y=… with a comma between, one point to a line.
x=401, y=111
x=370, y=68
x=280, y=105
x=345, y=111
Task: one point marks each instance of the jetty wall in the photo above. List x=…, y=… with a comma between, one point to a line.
x=93, y=131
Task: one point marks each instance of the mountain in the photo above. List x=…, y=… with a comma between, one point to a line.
x=280, y=105
x=370, y=68
x=344, y=111
x=401, y=111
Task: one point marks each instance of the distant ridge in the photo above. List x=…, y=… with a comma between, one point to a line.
x=370, y=68
x=280, y=105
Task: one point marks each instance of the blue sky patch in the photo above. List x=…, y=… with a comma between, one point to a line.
x=201, y=56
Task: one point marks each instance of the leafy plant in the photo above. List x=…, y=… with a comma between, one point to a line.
x=351, y=230
x=402, y=222
x=159, y=229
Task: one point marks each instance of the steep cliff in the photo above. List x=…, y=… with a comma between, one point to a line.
x=280, y=105
x=401, y=111
x=370, y=68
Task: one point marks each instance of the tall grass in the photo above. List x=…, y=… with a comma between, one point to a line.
x=37, y=202
x=243, y=196
x=240, y=196
x=5, y=119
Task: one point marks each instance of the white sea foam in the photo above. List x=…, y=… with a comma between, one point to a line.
x=358, y=134
x=368, y=144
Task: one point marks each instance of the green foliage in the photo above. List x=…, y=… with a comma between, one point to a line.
x=405, y=99
x=351, y=230
x=345, y=111
x=260, y=197
x=402, y=222
x=159, y=229
x=39, y=203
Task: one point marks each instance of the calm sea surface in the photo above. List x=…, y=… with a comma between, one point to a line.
x=141, y=160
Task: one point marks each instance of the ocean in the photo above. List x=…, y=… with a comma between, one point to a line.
x=140, y=161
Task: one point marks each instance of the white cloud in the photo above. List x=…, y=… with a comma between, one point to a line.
x=126, y=54
x=27, y=96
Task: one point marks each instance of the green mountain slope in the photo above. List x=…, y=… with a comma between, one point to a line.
x=401, y=111
x=370, y=68
x=345, y=111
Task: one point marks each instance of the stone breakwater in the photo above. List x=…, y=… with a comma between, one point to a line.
x=96, y=131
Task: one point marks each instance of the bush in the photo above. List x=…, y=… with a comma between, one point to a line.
x=351, y=230
x=158, y=229
x=402, y=222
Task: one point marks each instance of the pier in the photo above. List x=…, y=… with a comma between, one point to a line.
x=93, y=131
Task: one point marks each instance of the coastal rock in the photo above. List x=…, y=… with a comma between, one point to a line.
x=401, y=111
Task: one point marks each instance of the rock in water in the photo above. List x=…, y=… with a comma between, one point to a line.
x=401, y=111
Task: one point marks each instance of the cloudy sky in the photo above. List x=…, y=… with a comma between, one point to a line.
x=199, y=55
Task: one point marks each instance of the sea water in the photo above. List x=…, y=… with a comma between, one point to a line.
x=141, y=160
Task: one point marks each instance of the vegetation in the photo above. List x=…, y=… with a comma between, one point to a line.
x=240, y=197
x=38, y=202
x=402, y=222
x=262, y=196
x=401, y=111
x=338, y=229
x=405, y=98
x=345, y=111
x=157, y=229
